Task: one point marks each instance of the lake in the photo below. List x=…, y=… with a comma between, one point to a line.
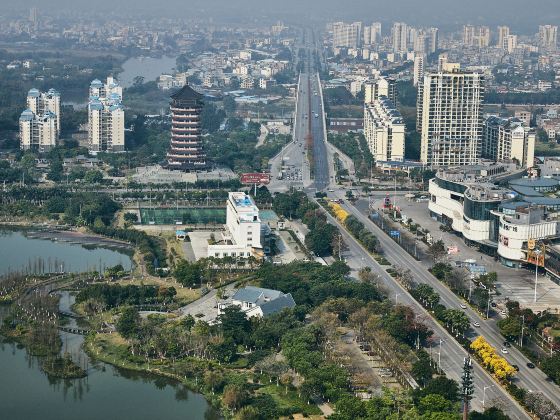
x=21, y=250
x=150, y=68
x=107, y=392
x=26, y=393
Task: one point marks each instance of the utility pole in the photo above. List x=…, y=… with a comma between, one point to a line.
x=522, y=328
x=468, y=387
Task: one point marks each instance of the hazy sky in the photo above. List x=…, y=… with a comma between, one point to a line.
x=523, y=14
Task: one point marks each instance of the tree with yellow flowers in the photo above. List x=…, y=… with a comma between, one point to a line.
x=496, y=364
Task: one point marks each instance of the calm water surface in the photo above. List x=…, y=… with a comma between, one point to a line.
x=26, y=393
x=150, y=68
x=21, y=253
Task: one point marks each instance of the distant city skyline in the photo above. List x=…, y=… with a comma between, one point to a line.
x=428, y=12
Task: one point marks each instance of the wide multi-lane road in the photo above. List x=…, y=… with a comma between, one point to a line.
x=449, y=353
x=531, y=379
x=308, y=133
x=309, y=120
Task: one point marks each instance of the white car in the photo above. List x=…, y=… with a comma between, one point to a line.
x=476, y=324
x=505, y=351
x=463, y=306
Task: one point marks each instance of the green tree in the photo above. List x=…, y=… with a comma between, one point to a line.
x=492, y=413
x=437, y=250
x=447, y=388
x=188, y=274
x=234, y=324
x=510, y=327
x=229, y=104
x=551, y=366
x=129, y=322
x=93, y=177
x=434, y=403
x=349, y=407
x=131, y=217
x=56, y=170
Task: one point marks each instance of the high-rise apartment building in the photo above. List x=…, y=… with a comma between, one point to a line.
x=507, y=140
x=37, y=132
x=450, y=116
x=372, y=34
x=399, y=35
x=347, y=35
x=420, y=41
x=39, y=124
x=185, y=150
x=503, y=33
x=433, y=40
x=105, y=117
x=510, y=43
x=476, y=36
x=419, y=67
x=548, y=36
x=384, y=130
x=41, y=103
x=381, y=86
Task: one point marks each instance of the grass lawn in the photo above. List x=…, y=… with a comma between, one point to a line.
x=184, y=294
x=289, y=400
x=546, y=148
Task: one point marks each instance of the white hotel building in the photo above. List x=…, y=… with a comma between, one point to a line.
x=243, y=235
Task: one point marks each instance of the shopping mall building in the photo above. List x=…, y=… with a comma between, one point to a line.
x=501, y=210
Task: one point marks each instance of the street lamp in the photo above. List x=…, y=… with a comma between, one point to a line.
x=484, y=395
x=439, y=354
x=537, y=254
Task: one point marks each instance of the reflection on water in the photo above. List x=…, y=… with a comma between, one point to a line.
x=106, y=393
x=29, y=394
x=19, y=253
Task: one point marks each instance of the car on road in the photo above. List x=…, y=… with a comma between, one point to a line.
x=476, y=324
x=463, y=306
x=507, y=344
x=530, y=365
x=505, y=351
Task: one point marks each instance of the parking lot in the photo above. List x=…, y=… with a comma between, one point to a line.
x=515, y=284
x=292, y=173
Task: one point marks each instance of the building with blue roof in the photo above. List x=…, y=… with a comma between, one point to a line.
x=259, y=302
x=39, y=123
x=105, y=117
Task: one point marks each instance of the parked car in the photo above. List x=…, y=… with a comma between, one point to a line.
x=530, y=365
